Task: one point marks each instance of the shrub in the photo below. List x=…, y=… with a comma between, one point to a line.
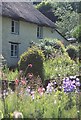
x=72, y=52
x=76, y=32
x=62, y=65
x=35, y=57
x=80, y=53
x=55, y=43
x=51, y=47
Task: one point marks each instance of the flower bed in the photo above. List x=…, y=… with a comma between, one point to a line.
x=54, y=102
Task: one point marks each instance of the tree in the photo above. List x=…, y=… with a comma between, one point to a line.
x=67, y=18
x=46, y=8
x=63, y=13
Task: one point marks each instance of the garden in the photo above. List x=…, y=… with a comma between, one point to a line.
x=45, y=84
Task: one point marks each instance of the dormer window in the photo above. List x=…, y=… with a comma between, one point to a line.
x=39, y=32
x=15, y=27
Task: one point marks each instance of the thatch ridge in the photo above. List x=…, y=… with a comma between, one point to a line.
x=25, y=11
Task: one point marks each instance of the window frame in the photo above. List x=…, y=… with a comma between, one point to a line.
x=40, y=32
x=14, y=53
x=15, y=27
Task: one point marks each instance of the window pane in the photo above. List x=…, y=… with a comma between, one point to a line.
x=12, y=47
x=12, y=26
x=12, y=23
x=16, y=53
x=37, y=31
x=15, y=47
x=40, y=32
x=12, y=29
x=11, y=53
x=17, y=27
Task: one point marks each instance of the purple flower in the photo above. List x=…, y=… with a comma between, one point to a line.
x=70, y=84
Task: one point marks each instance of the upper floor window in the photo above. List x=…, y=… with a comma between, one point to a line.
x=39, y=32
x=14, y=50
x=15, y=27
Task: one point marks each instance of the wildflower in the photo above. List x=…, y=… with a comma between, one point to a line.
x=41, y=90
x=30, y=75
x=29, y=65
x=20, y=72
x=33, y=94
x=49, y=88
x=55, y=101
x=17, y=114
x=23, y=81
x=28, y=90
x=16, y=81
x=70, y=84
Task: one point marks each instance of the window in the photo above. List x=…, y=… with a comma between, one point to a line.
x=40, y=32
x=15, y=27
x=14, y=50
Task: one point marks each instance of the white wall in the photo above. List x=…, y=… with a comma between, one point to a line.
x=0, y=35
x=27, y=33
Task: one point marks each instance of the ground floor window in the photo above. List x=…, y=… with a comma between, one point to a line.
x=14, y=49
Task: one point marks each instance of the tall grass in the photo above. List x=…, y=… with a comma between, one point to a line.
x=53, y=105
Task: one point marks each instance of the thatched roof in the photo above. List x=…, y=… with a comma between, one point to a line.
x=25, y=11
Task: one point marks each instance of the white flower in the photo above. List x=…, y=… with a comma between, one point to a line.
x=17, y=114
x=55, y=101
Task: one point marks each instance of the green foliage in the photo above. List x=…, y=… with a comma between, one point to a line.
x=10, y=74
x=1, y=109
x=67, y=19
x=62, y=65
x=55, y=105
x=76, y=32
x=35, y=57
x=63, y=14
x=72, y=52
x=45, y=7
x=51, y=47
x=80, y=53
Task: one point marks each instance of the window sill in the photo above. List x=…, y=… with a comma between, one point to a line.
x=14, y=33
x=40, y=37
x=14, y=56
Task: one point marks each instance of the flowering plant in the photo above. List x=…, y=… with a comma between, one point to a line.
x=16, y=81
x=71, y=83
x=29, y=65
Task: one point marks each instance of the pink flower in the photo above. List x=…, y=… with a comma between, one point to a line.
x=16, y=81
x=20, y=71
x=23, y=82
x=30, y=75
x=30, y=65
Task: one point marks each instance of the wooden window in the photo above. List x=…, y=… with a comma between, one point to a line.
x=14, y=50
x=15, y=27
x=39, y=32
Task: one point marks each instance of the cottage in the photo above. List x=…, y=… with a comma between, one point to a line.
x=21, y=23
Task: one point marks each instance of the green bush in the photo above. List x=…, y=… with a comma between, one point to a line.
x=35, y=57
x=76, y=32
x=62, y=65
x=51, y=47
x=80, y=53
x=55, y=43
x=72, y=52
x=10, y=75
